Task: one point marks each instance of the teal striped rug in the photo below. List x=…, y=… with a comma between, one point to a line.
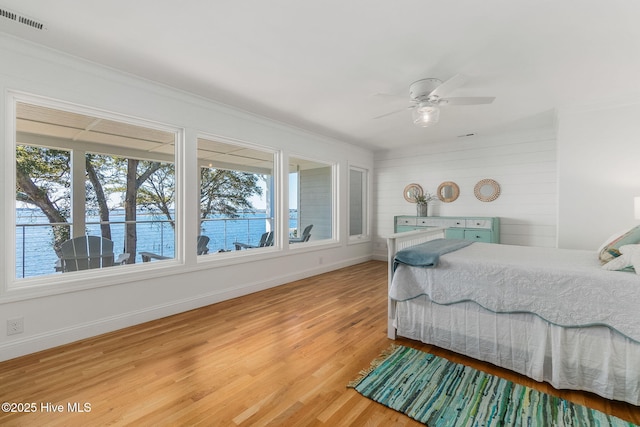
x=441, y=393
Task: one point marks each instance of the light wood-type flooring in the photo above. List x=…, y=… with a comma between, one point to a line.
x=281, y=357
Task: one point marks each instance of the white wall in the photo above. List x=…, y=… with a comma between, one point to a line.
x=599, y=172
x=89, y=305
x=524, y=164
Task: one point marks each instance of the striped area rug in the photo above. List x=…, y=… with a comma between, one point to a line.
x=441, y=393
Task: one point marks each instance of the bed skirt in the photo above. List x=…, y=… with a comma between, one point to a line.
x=595, y=359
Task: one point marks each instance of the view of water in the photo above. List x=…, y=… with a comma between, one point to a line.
x=35, y=255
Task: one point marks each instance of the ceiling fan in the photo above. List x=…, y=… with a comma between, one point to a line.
x=427, y=95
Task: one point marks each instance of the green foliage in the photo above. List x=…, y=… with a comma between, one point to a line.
x=157, y=192
x=226, y=192
x=49, y=171
x=103, y=179
x=44, y=180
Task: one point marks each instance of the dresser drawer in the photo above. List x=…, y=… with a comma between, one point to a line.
x=454, y=233
x=478, y=223
x=406, y=220
x=478, y=229
x=428, y=222
x=457, y=223
x=478, y=235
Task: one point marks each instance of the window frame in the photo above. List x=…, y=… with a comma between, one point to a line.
x=48, y=284
x=184, y=158
x=224, y=258
x=334, y=209
x=365, y=236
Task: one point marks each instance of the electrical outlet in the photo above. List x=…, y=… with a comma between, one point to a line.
x=15, y=326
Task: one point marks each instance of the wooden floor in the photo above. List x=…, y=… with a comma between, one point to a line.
x=277, y=357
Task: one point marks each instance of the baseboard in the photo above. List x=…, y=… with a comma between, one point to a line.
x=380, y=256
x=55, y=338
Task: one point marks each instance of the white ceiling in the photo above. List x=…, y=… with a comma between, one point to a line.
x=323, y=65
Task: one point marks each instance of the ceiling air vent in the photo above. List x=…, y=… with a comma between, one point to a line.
x=8, y=15
x=16, y=17
x=30, y=22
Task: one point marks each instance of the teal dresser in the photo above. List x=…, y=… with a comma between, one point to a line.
x=479, y=229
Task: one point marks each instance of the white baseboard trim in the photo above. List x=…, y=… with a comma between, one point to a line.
x=380, y=256
x=34, y=343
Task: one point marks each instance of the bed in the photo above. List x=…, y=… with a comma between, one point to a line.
x=554, y=315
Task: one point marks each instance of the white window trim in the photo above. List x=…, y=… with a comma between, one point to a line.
x=366, y=205
x=335, y=197
x=229, y=257
x=23, y=288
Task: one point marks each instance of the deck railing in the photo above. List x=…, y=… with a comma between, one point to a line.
x=35, y=255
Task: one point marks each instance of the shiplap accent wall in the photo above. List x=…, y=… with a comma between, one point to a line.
x=524, y=164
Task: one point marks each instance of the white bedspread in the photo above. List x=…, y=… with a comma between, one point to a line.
x=564, y=287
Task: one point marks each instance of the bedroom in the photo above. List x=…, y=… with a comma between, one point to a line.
x=565, y=156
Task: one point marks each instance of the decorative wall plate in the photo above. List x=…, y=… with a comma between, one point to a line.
x=412, y=191
x=487, y=190
x=448, y=191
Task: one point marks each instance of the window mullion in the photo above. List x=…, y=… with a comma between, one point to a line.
x=78, y=196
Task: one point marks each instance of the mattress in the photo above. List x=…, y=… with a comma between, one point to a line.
x=563, y=287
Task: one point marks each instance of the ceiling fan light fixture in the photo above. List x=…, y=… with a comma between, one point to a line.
x=425, y=115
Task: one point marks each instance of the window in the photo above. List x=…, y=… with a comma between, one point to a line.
x=82, y=173
x=237, y=196
x=311, y=200
x=358, y=224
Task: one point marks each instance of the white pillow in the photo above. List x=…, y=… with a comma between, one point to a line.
x=612, y=250
x=630, y=258
x=612, y=238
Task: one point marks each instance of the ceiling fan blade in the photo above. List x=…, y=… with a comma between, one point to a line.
x=450, y=85
x=467, y=100
x=391, y=113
